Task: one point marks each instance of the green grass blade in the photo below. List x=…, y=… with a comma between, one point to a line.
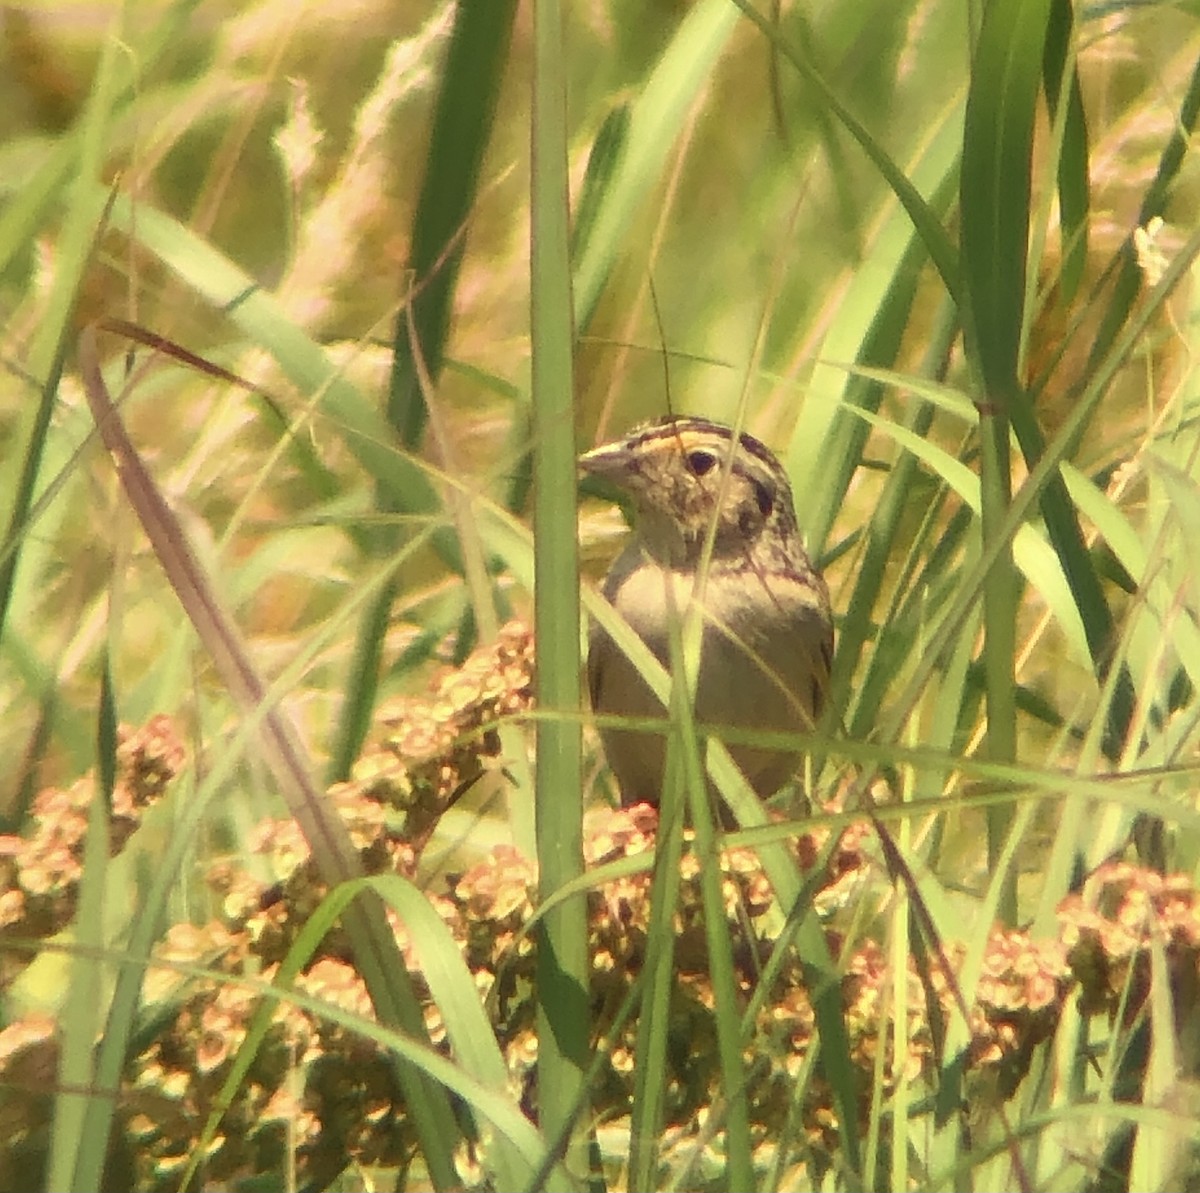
x=655, y=119
x=79, y=1140
x=452, y=990
x=462, y=127
x=930, y=230
x=1073, y=158
x=1128, y=283
x=55, y=329
x=376, y=954
x=739, y=1171
x=354, y=718
x=472, y=1037
x=562, y=957
x=81, y=1134
x=826, y=446
x=995, y=196
x=602, y=170
x=658, y=982
x=995, y=190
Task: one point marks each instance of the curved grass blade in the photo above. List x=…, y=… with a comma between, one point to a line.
x=376, y=954
x=452, y=990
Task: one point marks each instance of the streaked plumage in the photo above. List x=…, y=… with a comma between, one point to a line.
x=768, y=632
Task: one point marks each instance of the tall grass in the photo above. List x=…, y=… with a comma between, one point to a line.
x=917, y=249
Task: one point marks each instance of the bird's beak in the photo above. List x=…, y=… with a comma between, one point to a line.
x=608, y=461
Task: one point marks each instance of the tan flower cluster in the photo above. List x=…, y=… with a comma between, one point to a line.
x=315, y=1091
x=28, y=1068
x=431, y=748
x=427, y=751
x=174, y=1083
x=1109, y=927
x=318, y=1093
x=271, y=911
x=40, y=871
x=323, y=1091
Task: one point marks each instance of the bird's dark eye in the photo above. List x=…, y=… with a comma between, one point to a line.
x=765, y=498
x=701, y=462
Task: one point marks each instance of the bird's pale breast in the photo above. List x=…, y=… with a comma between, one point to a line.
x=763, y=666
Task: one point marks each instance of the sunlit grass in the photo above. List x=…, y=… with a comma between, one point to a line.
x=865, y=232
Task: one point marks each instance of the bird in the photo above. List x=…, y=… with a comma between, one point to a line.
x=768, y=635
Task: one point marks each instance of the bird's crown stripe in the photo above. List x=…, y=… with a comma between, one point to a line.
x=672, y=432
